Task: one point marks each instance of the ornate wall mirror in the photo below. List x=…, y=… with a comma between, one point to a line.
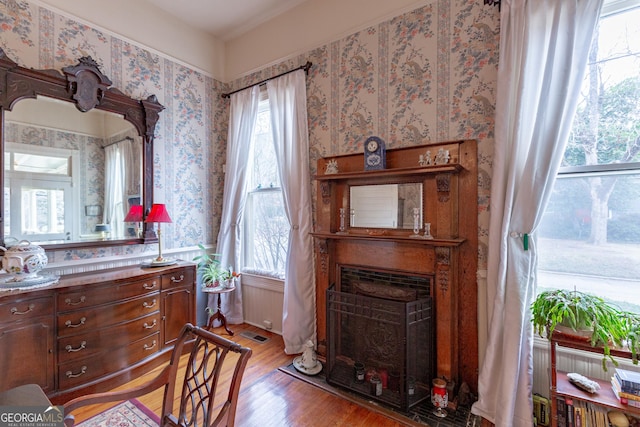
x=77, y=154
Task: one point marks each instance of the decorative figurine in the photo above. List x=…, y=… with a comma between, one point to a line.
x=331, y=168
x=308, y=363
x=425, y=159
x=442, y=158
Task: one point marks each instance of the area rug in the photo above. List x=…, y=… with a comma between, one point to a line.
x=419, y=415
x=131, y=413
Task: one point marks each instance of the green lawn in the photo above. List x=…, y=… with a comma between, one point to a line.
x=569, y=256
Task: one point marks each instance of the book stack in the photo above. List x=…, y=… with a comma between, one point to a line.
x=626, y=386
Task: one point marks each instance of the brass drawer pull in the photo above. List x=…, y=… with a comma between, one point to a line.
x=15, y=311
x=70, y=374
x=80, y=301
x=174, y=280
x=150, y=326
x=149, y=287
x=149, y=347
x=68, y=323
x=147, y=305
x=70, y=349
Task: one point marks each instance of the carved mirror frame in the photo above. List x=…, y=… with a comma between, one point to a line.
x=85, y=86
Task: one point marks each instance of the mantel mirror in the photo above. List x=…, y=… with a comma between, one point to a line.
x=386, y=205
x=77, y=155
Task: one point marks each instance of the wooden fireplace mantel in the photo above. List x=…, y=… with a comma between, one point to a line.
x=450, y=259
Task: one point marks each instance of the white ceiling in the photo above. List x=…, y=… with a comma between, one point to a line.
x=225, y=19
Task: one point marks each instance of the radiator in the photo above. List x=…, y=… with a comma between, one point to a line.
x=569, y=360
x=262, y=302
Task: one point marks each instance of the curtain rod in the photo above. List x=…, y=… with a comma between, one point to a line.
x=304, y=67
x=126, y=138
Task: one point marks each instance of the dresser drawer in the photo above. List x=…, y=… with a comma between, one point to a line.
x=85, y=345
x=26, y=308
x=74, y=300
x=80, y=371
x=90, y=319
x=182, y=277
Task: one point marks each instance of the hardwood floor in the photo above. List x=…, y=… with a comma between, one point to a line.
x=269, y=397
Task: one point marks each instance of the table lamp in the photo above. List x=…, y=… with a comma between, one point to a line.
x=103, y=229
x=134, y=215
x=159, y=214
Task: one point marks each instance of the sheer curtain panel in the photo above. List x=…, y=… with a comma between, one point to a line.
x=114, y=188
x=543, y=54
x=242, y=120
x=288, y=104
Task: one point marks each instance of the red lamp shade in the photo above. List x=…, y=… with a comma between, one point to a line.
x=158, y=214
x=134, y=214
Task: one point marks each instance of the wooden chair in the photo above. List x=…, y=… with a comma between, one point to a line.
x=197, y=405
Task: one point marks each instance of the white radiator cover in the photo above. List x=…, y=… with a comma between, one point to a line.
x=262, y=300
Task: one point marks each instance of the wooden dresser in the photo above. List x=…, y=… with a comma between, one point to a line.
x=94, y=331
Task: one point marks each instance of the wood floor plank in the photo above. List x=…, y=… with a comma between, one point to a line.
x=269, y=397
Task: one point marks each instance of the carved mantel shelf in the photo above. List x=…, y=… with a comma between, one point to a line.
x=390, y=238
x=397, y=172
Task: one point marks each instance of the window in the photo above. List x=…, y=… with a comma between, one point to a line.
x=266, y=227
x=589, y=238
x=35, y=195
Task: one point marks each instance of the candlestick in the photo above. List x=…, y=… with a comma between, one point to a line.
x=416, y=223
x=342, y=229
x=427, y=231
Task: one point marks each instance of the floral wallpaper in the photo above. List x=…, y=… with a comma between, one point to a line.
x=427, y=75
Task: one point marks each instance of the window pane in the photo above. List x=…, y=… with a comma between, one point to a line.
x=607, y=123
x=265, y=168
x=593, y=244
x=42, y=211
x=267, y=233
x=40, y=164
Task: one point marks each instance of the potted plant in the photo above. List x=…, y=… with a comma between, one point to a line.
x=228, y=277
x=608, y=326
x=208, y=266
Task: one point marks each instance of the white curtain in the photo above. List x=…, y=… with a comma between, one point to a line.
x=288, y=105
x=114, y=189
x=242, y=119
x=544, y=46
x=132, y=155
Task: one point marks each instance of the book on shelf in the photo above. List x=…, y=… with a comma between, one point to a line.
x=629, y=380
x=587, y=414
x=621, y=396
x=615, y=384
x=561, y=412
x=569, y=403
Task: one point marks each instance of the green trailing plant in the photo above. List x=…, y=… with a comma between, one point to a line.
x=209, y=267
x=633, y=334
x=609, y=326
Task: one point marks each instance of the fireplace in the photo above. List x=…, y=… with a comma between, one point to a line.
x=380, y=328
x=440, y=270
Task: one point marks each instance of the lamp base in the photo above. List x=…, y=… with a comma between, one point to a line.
x=162, y=262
